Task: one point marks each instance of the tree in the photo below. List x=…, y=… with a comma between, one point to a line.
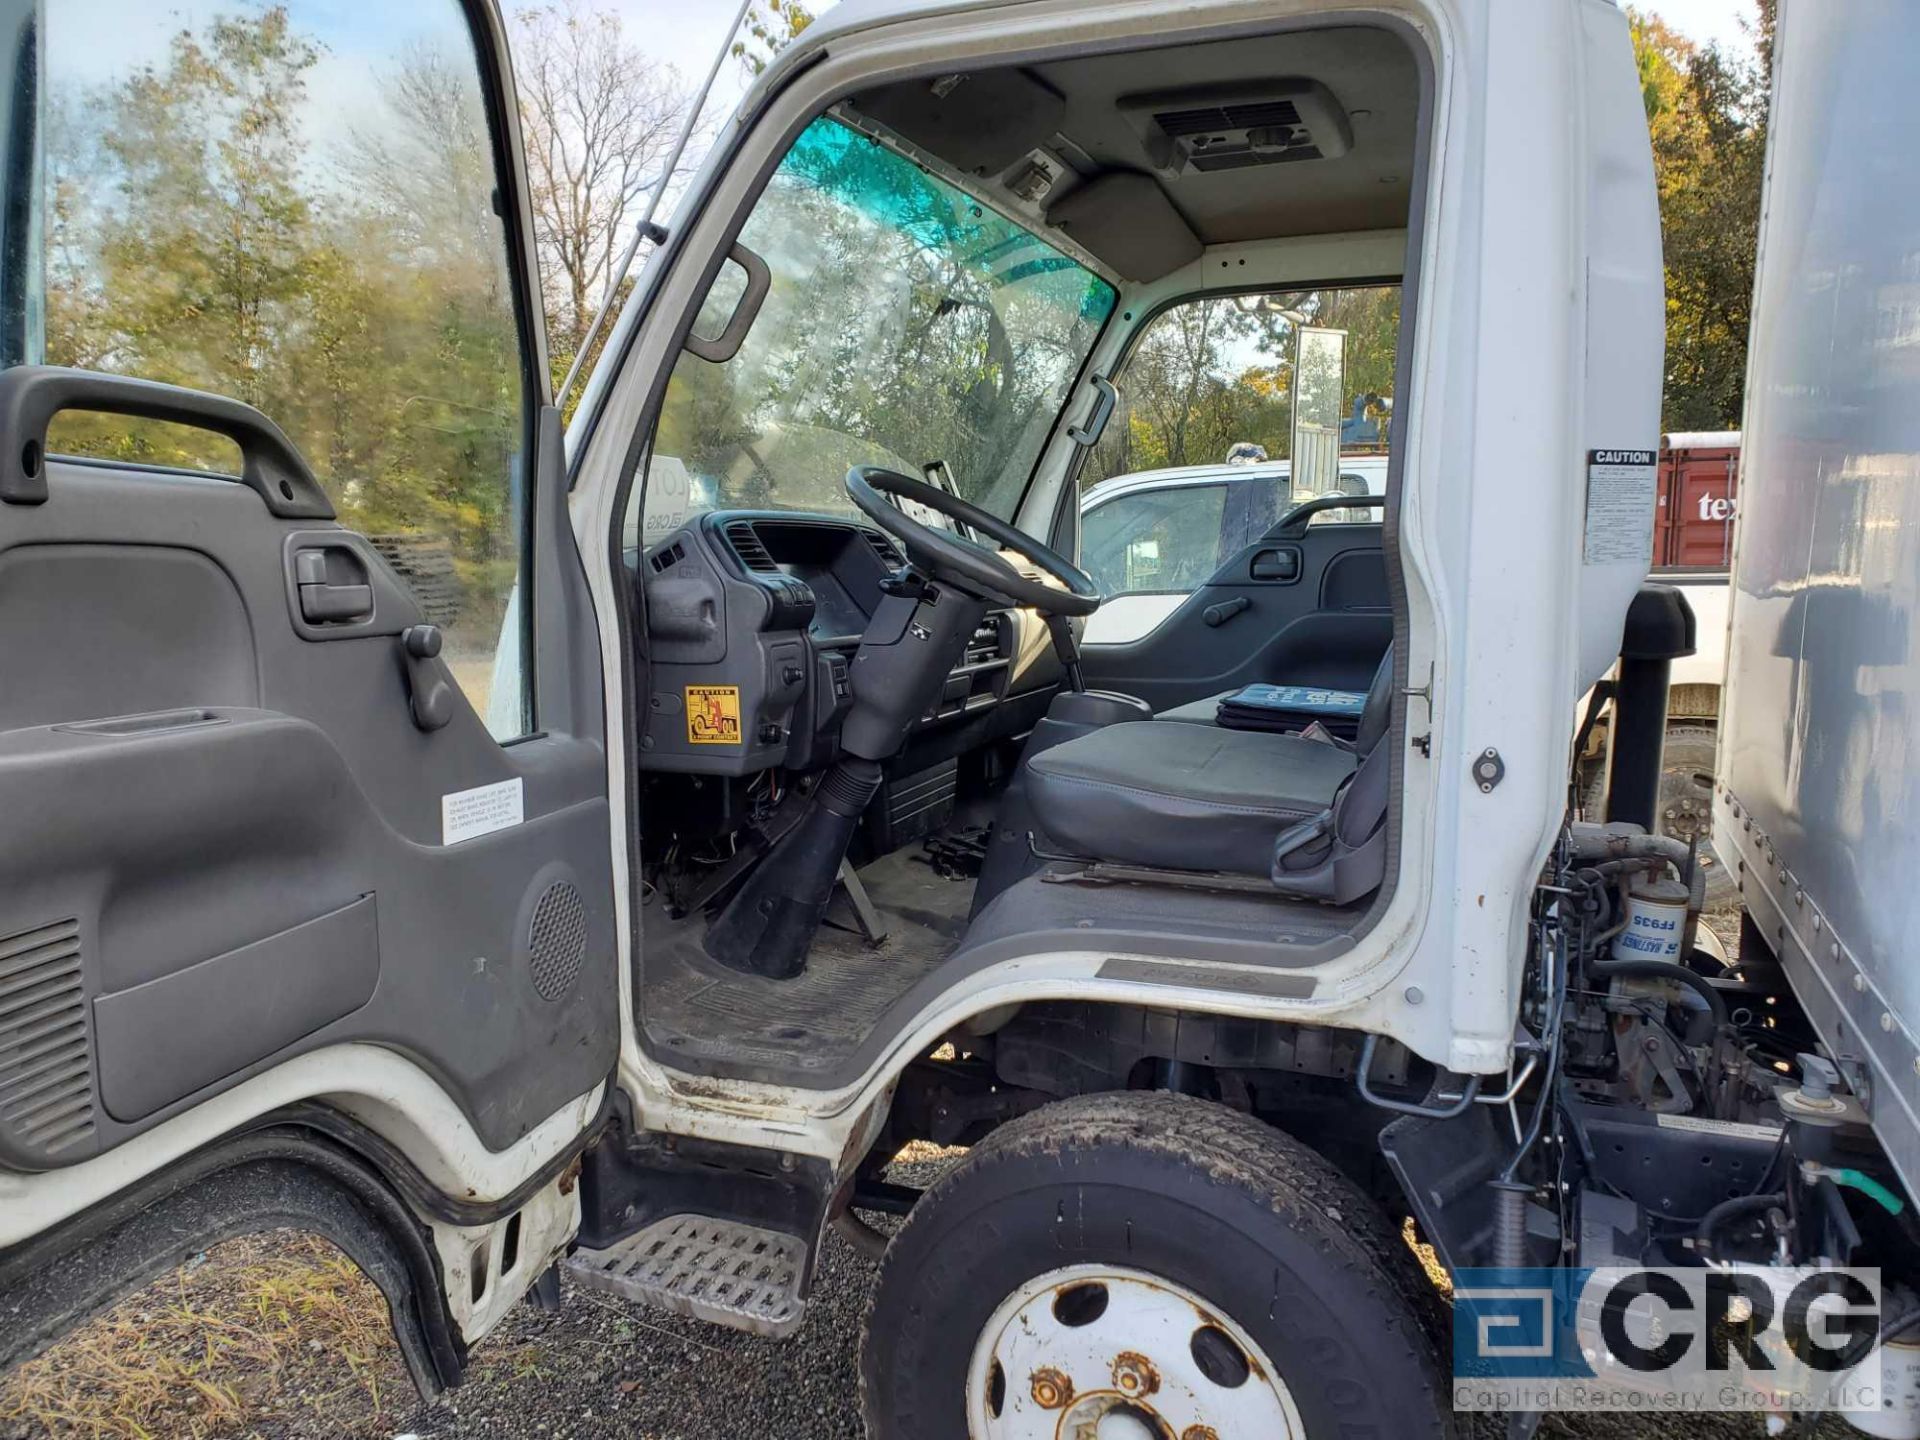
x=1211, y=373
x=358, y=293
x=598, y=119
x=770, y=27
x=1707, y=115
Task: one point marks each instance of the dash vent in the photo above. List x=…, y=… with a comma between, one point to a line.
x=884, y=547
x=667, y=558
x=46, y=1047
x=748, y=547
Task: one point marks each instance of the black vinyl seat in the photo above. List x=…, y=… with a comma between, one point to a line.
x=1191, y=797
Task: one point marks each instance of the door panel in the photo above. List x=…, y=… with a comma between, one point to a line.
x=1312, y=611
x=224, y=839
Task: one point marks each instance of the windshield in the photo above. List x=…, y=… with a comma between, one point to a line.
x=906, y=324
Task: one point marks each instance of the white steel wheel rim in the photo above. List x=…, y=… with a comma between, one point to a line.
x=1102, y=1352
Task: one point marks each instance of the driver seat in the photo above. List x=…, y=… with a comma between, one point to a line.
x=1308, y=814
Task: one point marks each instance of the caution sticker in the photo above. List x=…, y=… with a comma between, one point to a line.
x=1621, y=487
x=713, y=714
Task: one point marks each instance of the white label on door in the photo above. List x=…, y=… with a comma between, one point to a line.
x=469, y=814
x=1620, y=492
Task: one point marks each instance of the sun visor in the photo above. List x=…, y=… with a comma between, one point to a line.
x=977, y=123
x=1126, y=221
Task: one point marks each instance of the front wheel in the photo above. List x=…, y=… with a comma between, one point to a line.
x=1149, y=1267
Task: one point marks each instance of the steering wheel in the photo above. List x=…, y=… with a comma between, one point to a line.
x=945, y=555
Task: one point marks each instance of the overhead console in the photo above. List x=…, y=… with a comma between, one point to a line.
x=752, y=621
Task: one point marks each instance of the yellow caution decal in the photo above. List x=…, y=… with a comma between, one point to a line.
x=713, y=714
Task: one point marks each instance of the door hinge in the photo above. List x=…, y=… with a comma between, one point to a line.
x=1423, y=692
x=1424, y=744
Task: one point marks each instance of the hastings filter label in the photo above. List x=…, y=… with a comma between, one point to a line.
x=713, y=714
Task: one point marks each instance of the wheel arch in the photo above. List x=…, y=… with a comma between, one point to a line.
x=286, y=1175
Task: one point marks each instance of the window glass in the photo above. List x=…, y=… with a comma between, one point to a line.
x=1155, y=541
x=906, y=323
x=294, y=205
x=1294, y=384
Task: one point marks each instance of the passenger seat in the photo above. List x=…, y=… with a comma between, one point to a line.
x=1308, y=813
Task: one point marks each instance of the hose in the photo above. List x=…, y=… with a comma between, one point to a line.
x=1735, y=1208
x=1597, y=842
x=1867, y=1186
x=1898, y=1326
x=1510, y=1224
x=1666, y=970
x=1589, y=844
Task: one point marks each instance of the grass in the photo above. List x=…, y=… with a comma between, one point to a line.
x=278, y=1329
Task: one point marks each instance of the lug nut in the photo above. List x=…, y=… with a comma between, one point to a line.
x=1051, y=1389
x=1134, y=1375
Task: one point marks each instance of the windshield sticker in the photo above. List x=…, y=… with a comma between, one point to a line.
x=713, y=714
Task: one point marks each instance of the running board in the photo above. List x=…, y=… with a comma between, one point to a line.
x=722, y=1271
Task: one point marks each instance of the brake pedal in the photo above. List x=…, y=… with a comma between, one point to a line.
x=723, y=1271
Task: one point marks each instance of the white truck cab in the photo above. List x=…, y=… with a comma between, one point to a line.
x=814, y=829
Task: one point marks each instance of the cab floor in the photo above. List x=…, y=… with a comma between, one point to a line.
x=707, y=1018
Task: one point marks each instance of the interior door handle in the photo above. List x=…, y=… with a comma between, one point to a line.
x=321, y=600
x=1281, y=565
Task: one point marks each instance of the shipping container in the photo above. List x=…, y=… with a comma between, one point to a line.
x=1699, y=481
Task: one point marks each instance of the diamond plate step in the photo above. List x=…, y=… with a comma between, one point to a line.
x=720, y=1270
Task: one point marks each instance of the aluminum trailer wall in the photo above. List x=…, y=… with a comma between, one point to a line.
x=1818, y=805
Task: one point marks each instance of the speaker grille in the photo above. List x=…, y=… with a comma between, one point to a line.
x=557, y=941
x=46, y=1048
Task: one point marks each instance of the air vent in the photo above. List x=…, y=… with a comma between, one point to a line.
x=749, y=549
x=1227, y=128
x=46, y=1048
x=985, y=642
x=668, y=558
x=1214, y=118
x=888, y=552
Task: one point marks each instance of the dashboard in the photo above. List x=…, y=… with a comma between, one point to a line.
x=752, y=619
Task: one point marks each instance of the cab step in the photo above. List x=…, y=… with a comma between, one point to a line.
x=723, y=1271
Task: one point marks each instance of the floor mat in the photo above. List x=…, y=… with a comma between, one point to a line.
x=711, y=1017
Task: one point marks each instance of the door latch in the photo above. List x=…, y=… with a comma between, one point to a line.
x=322, y=600
x=1281, y=566
x=1488, y=770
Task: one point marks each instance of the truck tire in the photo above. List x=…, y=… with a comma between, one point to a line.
x=1156, y=1257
